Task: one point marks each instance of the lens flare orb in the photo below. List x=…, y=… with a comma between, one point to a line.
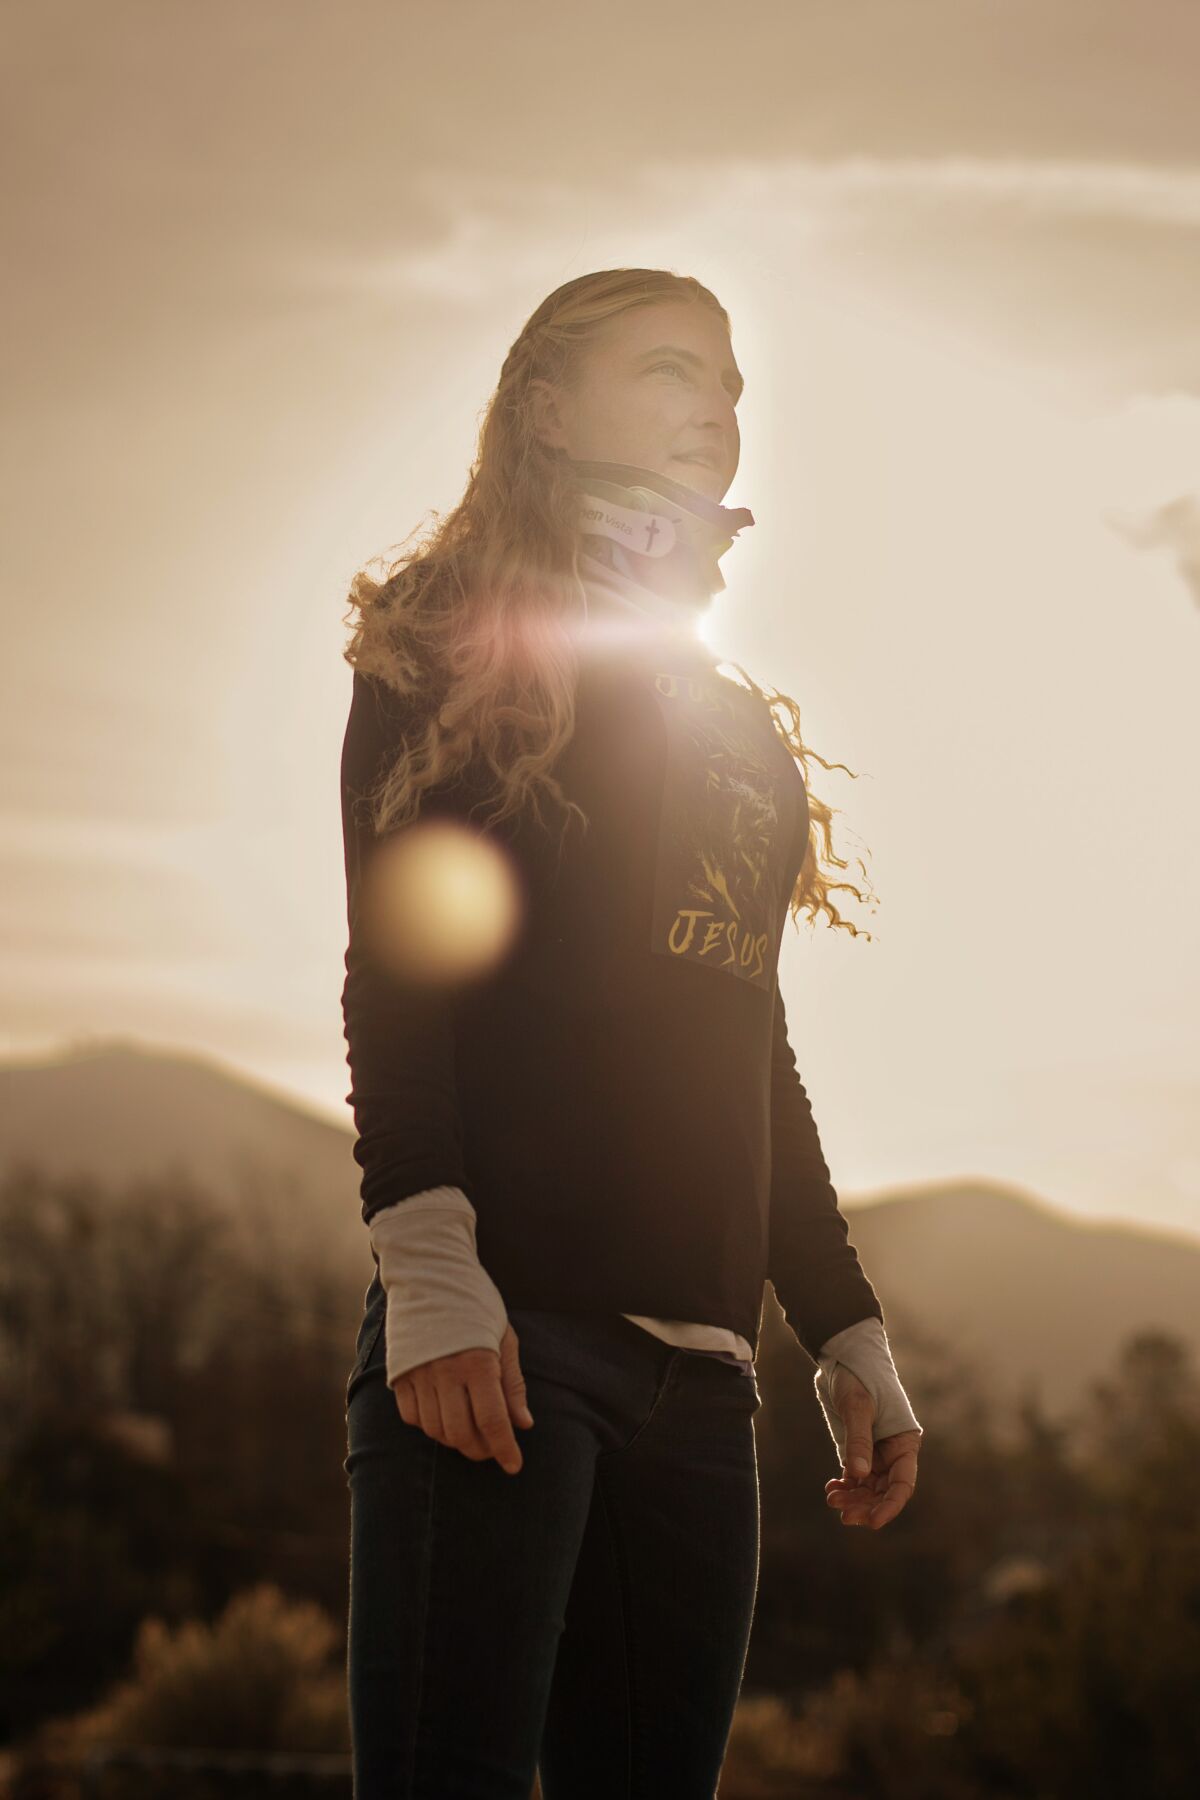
x=441, y=903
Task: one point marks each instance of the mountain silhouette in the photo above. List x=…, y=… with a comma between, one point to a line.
x=1026, y=1293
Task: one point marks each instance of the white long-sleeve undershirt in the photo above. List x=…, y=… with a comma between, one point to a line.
x=440, y=1299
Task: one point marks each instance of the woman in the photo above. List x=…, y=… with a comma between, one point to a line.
x=583, y=1139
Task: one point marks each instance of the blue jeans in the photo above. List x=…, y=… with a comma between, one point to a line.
x=588, y=1617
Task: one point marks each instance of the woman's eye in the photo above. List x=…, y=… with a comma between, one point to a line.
x=669, y=365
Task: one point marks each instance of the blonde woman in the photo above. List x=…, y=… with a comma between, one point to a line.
x=583, y=1139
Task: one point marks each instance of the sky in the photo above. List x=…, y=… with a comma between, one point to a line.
x=265, y=265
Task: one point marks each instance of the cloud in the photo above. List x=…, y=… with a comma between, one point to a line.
x=1174, y=526
x=487, y=221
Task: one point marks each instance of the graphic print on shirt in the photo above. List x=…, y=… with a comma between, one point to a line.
x=727, y=824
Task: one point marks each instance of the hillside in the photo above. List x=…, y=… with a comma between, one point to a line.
x=1023, y=1291
x=120, y=1113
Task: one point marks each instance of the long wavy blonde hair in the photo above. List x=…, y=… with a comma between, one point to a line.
x=472, y=626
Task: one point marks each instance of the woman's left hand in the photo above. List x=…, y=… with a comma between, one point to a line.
x=872, y=1496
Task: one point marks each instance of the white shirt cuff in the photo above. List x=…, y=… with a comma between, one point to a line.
x=440, y=1298
x=863, y=1349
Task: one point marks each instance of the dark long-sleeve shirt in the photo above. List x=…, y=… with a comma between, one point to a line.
x=618, y=1098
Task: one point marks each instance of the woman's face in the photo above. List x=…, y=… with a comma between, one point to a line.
x=659, y=387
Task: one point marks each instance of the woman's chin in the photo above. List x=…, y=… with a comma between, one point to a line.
x=706, y=481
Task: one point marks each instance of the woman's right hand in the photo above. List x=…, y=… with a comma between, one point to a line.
x=470, y=1401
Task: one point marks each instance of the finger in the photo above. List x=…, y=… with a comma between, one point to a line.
x=406, y=1400
x=850, y=1506
x=857, y=1493
x=858, y=1430
x=859, y=1508
x=884, y=1512
x=901, y=1475
x=514, y=1394
x=512, y=1378
x=458, y=1421
x=490, y=1408
x=860, y=1453
x=428, y=1405
x=884, y=1507
x=854, y=1499
x=874, y=1483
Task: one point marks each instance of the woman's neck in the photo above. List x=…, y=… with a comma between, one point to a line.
x=622, y=610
